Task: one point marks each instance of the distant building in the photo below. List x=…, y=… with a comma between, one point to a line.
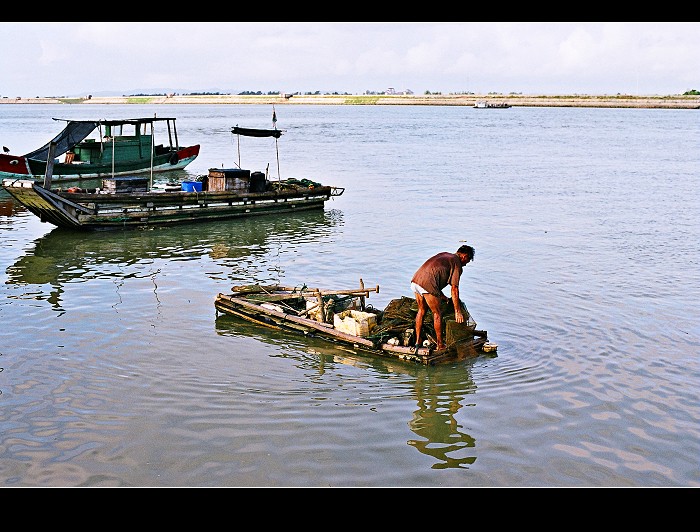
x=392, y=90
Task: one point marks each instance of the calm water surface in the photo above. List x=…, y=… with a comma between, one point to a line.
x=115, y=369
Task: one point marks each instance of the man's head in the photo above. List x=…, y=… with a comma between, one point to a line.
x=466, y=253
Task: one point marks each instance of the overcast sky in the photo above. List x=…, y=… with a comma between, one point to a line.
x=80, y=58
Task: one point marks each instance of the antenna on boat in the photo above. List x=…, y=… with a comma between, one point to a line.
x=238, y=144
x=152, y=150
x=277, y=151
x=114, y=135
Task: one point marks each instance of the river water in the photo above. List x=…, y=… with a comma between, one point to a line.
x=115, y=369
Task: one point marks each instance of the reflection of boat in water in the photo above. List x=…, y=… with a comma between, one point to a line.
x=7, y=207
x=63, y=255
x=443, y=395
x=311, y=352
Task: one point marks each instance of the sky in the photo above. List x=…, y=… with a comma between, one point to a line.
x=549, y=58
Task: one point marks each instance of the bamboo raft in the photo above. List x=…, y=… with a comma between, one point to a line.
x=343, y=316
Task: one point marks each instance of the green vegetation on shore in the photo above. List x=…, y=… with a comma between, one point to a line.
x=361, y=100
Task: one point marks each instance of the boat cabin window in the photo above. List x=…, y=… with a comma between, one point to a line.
x=127, y=130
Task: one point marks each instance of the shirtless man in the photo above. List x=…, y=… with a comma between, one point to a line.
x=427, y=283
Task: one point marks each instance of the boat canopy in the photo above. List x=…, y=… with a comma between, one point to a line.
x=74, y=132
x=77, y=130
x=251, y=132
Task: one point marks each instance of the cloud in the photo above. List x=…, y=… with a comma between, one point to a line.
x=74, y=58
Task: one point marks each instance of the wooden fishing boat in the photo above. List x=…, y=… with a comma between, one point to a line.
x=343, y=316
x=93, y=149
x=124, y=202
x=136, y=208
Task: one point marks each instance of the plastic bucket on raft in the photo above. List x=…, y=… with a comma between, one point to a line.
x=191, y=186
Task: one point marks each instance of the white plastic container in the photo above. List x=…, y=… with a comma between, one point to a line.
x=355, y=322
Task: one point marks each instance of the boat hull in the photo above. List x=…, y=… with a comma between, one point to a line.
x=19, y=167
x=100, y=210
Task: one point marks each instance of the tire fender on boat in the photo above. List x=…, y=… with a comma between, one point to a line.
x=174, y=158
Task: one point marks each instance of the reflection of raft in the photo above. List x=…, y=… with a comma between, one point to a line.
x=342, y=316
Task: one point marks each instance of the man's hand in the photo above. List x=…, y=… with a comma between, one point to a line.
x=459, y=318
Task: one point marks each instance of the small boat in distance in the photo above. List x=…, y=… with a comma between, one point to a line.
x=487, y=105
x=343, y=317
x=135, y=202
x=117, y=148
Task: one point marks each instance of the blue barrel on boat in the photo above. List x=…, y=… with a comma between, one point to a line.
x=191, y=186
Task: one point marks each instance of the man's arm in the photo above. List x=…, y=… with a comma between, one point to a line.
x=455, y=301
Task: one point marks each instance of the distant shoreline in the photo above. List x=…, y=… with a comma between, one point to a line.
x=463, y=100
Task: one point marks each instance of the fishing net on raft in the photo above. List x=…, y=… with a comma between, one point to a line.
x=399, y=317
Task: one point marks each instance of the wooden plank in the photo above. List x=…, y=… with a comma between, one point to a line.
x=49, y=165
x=294, y=292
x=251, y=319
x=263, y=297
x=302, y=321
x=362, y=299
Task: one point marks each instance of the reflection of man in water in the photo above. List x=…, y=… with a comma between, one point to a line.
x=434, y=420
